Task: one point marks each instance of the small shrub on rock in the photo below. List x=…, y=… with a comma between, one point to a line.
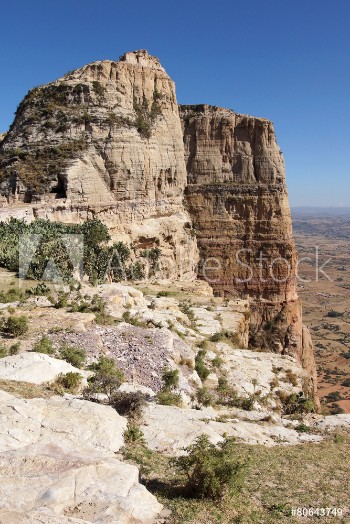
x=200, y=366
x=3, y=351
x=167, y=396
x=204, y=397
x=210, y=470
x=129, y=404
x=170, y=378
x=14, y=349
x=69, y=381
x=75, y=356
x=294, y=404
x=133, y=434
x=15, y=326
x=107, y=379
x=44, y=345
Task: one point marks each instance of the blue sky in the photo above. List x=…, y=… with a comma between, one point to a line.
x=284, y=60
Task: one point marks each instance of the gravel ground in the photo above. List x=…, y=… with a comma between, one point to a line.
x=141, y=353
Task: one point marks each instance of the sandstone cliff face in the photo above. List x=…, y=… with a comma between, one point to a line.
x=237, y=198
x=105, y=140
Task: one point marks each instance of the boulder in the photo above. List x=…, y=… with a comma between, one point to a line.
x=36, y=368
x=58, y=465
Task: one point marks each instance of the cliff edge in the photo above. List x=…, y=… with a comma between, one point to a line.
x=203, y=184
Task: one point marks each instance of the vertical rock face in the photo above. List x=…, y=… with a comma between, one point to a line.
x=237, y=198
x=105, y=140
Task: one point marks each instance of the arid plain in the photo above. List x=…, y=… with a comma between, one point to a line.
x=323, y=241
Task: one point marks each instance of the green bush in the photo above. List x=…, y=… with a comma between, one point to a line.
x=204, y=397
x=170, y=378
x=133, y=434
x=346, y=383
x=14, y=349
x=100, y=259
x=227, y=395
x=169, y=398
x=210, y=471
x=12, y=295
x=161, y=294
x=135, y=271
x=73, y=355
x=40, y=290
x=15, y=326
x=107, y=379
x=302, y=428
x=333, y=396
x=293, y=404
x=129, y=404
x=186, y=307
x=44, y=345
x=247, y=403
x=335, y=409
x=3, y=351
x=200, y=366
x=334, y=314
x=69, y=381
x=218, y=337
x=98, y=88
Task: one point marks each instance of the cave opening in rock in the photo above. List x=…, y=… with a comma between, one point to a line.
x=59, y=190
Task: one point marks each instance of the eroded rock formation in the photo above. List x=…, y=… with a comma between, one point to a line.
x=106, y=140
x=237, y=198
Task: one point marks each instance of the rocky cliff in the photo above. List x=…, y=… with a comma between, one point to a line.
x=106, y=140
x=237, y=197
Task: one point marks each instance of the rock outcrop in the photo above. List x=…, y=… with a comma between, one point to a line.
x=237, y=198
x=58, y=465
x=106, y=141
x=36, y=368
x=169, y=429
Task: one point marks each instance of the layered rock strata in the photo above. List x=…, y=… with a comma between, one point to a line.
x=105, y=140
x=237, y=197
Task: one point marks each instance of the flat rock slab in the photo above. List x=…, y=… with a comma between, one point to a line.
x=36, y=368
x=169, y=429
x=58, y=465
x=49, y=484
x=244, y=367
x=335, y=421
x=72, y=423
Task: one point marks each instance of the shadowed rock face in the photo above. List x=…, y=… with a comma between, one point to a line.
x=106, y=141
x=237, y=198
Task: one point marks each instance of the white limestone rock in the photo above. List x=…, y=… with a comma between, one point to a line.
x=36, y=368
x=58, y=465
x=169, y=429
